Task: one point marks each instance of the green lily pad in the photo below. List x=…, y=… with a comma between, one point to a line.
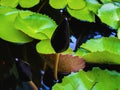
x=118, y=33
x=103, y=50
x=76, y=4
x=96, y=79
x=109, y=14
x=9, y=33
x=38, y=26
x=110, y=44
x=93, y=5
x=45, y=47
x=28, y=3
x=83, y=14
x=58, y=4
x=9, y=3
x=4, y=9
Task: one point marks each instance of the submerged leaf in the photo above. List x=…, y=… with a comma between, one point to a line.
x=67, y=62
x=96, y=79
x=109, y=14
x=38, y=26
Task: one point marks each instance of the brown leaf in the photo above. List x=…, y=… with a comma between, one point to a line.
x=67, y=62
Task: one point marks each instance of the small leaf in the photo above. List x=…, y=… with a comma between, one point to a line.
x=44, y=47
x=109, y=15
x=38, y=26
x=28, y=3
x=76, y=4
x=10, y=3
x=82, y=14
x=106, y=1
x=58, y=4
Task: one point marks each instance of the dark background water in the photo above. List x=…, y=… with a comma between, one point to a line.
x=80, y=30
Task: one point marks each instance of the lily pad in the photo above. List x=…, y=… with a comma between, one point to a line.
x=93, y=5
x=109, y=15
x=90, y=80
x=58, y=4
x=103, y=50
x=23, y=3
x=110, y=44
x=10, y=3
x=28, y=3
x=76, y=4
x=8, y=32
x=38, y=26
x=83, y=14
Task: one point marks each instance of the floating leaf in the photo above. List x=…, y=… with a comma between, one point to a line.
x=58, y=4
x=93, y=5
x=118, y=33
x=4, y=9
x=111, y=44
x=96, y=79
x=106, y=1
x=45, y=47
x=109, y=15
x=82, y=14
x=10, y=3
x=76, y=4
x=28, y=3
x=103, y=57
x=38, y=26
x=103, y=50
x=7, y=30
x=60, y=38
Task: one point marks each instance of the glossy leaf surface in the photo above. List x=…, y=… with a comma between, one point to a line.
x=8, y=31
x=60, y=38
x=58, y=4
x=76, y=4
x=104, y=50
x=96, y=79
x=38, y=26
x=82, y=14
x=109, y=14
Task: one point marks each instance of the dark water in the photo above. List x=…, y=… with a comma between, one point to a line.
x=80, y=30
